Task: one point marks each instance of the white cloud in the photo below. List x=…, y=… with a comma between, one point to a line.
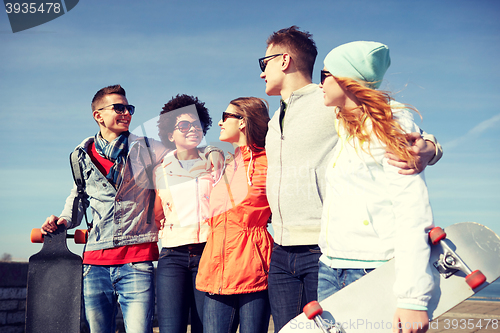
x=475, y=132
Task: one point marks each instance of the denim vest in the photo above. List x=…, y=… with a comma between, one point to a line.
x=120, y=216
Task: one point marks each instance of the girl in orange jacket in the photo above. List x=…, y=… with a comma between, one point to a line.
x=234, y=266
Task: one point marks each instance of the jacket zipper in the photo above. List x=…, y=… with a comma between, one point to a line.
x=222, y=254
x=225, y=221
x=281, y=167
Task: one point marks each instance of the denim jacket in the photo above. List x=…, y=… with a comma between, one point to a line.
x=120, y=216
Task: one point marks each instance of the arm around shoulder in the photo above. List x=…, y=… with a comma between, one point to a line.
x=435, y=147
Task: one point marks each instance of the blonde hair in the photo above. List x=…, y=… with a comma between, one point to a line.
x=374, y=105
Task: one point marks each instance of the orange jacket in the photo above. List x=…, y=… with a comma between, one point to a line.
x=238, y=250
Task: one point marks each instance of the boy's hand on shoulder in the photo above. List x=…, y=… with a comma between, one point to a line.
x=51, y=223
x=423, y=150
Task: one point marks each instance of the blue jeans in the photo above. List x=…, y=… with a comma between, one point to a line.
x=130, y=285
x=331, y=280
x=293, y=281
x=176, y=289
x=223, y=313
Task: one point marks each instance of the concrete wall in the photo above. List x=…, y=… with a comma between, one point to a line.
x=13, y=280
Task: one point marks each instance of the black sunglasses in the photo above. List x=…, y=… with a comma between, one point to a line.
x=324, y=75
x=120, y=108
x=184, y=126
x=263, y=63
x=226, y=115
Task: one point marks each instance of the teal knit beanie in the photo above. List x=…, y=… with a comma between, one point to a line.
x=365, y=61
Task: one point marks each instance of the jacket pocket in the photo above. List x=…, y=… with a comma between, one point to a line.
x=263, y=265
x=90, y=184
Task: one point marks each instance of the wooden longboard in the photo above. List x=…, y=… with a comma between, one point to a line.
x=368, y=304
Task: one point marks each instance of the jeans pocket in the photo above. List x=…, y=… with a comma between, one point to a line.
x=165, y=252
x=314, y=249
x=144, y=266
x=86, y=269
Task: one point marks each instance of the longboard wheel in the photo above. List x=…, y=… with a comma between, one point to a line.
x=475, y=279
x=81, y=236
x=313, y=309
x=436, y=234
x=36, y=235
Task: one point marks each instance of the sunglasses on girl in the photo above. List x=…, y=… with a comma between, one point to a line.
x=226, y=115
x=184, y=126
x=324, y=75
x=263, y=63
x=120, y=108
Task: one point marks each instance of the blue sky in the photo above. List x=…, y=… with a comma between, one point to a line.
x=444, y=62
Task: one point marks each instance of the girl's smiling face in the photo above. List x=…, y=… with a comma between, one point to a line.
x=190, y=139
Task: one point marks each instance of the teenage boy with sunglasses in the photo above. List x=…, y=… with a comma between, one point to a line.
x=299, y=142
x=122, y=244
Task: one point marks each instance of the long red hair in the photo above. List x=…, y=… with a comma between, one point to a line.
x=374, y=105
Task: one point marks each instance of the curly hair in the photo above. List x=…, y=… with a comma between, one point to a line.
x=255, y=112
x=299, y=44
x=374, y=105
x=168, y=119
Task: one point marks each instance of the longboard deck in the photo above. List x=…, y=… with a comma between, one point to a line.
x=368, y=304
x=54, y=287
